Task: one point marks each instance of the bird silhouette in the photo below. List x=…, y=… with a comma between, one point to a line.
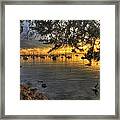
x=44, y=85
x=40, y=81
x=96, y=89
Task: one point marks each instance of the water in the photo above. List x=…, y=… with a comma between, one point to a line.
x=65, y=79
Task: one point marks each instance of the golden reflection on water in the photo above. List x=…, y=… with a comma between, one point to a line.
x=75, y=60
x=64, y=55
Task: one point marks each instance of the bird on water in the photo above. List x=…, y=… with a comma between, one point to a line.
x=96, y=89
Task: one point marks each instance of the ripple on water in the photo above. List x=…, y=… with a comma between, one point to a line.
x=64, y=81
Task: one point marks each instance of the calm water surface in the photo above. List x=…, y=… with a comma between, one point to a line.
x=65, y=79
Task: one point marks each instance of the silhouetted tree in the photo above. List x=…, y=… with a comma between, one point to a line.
x=69, y=32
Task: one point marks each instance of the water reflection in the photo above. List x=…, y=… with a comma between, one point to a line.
x=71, y=58
x=67, y=78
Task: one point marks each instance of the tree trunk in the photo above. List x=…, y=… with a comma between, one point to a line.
x=92, y=50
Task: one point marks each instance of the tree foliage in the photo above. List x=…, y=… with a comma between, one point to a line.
x=67, y=32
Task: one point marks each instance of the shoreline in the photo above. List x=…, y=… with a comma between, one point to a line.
x=29, y=93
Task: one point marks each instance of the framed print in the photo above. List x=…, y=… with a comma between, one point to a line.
x=60, y=60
